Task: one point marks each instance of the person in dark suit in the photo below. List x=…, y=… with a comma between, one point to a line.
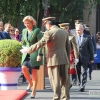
x=20, y=37
x=94, y=48
x=6, y=31
x=85, y=55
x=87, y=32
x=1, y=36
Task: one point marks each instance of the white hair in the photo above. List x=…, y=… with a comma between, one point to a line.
x=80, y=26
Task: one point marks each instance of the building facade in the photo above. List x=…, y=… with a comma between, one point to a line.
x=93, y=20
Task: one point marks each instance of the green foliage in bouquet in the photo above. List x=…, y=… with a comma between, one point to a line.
x=10, y=55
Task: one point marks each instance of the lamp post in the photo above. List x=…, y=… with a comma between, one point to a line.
x=45, y=9
x=41, y=72
x=46, y=14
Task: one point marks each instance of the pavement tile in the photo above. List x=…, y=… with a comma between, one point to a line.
x=47, y=93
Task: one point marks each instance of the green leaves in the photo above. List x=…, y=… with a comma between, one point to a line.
x=63, y=10
x=10, y=55
x=70, y=10
x=11, y=10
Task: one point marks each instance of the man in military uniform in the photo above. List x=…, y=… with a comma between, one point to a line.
x=58, y=51
x=73, y=52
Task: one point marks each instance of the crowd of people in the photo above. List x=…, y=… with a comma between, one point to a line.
x=9, y=32
x=69, y=53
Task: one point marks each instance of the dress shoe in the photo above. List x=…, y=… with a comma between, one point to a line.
x=29, y=88
x=33, y=95
x=89, y=77
x=81, y=89
x=70, y=86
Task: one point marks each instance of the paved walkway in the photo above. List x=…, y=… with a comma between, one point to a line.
x=92, y=85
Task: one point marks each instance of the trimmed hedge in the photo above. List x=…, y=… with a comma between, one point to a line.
x=10, y=55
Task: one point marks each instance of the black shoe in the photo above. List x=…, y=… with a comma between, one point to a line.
x=70, y=86
x=89, y=77
x=32, y=97
x=81, y=89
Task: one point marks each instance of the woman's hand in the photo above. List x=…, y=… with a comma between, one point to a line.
x=38, y=58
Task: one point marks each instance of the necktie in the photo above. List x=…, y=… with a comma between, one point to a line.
x=79, y=40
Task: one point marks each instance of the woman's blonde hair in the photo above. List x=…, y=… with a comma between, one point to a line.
x=30, y=18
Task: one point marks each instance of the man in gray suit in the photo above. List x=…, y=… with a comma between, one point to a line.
x=58, y=51
x=85, y=55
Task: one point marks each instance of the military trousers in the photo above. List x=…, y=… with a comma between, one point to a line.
x=58, y=76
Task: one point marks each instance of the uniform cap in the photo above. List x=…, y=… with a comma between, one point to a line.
x=44, y=20
x=64, y=25
x=78, y=21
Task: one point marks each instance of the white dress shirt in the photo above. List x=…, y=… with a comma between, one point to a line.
x=80, y=38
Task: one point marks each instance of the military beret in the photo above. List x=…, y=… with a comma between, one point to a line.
x=64, y=25
x=78, y=21
x=44, y=20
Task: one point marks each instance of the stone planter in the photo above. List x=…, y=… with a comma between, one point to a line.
x=9, y=78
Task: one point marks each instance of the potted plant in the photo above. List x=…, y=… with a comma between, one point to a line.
x=10, y=64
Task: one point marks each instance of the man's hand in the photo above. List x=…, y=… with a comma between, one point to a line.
x=76, y=61
x=24, y=50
